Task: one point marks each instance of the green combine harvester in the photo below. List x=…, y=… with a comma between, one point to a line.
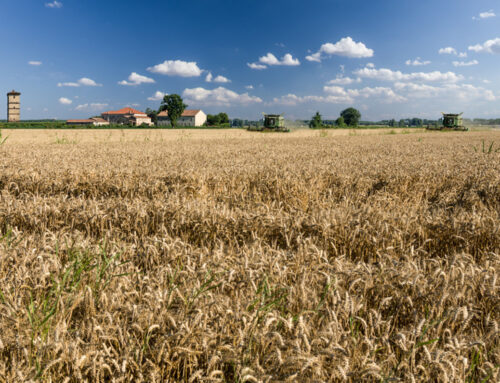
x=451, y=122
x=273, y=123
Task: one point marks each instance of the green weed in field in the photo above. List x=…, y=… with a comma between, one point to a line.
x=2, y=140
x=65, y=141
x=487, y=149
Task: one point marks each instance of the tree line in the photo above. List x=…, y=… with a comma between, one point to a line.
x=349, y=117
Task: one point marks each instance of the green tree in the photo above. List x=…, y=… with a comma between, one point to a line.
x=237, y=122
x=174, y=105
x=213, y=119
x=340, y=122
x=351, y=116
x=153, y=114
x=416, y=122
x=316, y=121
x=223, y=118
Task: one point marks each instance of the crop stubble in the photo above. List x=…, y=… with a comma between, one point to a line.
x=276, y=258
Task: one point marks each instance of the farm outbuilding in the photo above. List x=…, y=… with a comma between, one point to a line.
x=96, y=121
x=127, y=116
x=188, y=118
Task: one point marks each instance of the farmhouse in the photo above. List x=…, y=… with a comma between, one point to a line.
x=188, y=118
x=126, y=116
x=96, y=121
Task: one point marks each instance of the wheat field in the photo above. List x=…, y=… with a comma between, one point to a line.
x=231, y=256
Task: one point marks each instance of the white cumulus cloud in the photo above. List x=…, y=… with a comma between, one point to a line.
x=65, y=101
x=485, y=15
x=249, y=87
x=95, y=106
x=315, y=57
x=345, y=47
x=71, y=84
x=158, y=96
x=385, y=74
x=341, y=80
x=84, y=81
x=401, y=92
x=136, y=79
x=448, y=51
x=54, y=4
x=256, y=66
x=289, y=100
x=271, y=60
x=380, y=93
x=462, y=92
x=218, y=96
x=221, y=79
x=335, y=90
x=490, y=46
x=35, y=63
x=465, y=63
x=417, y=90
x=452, y=51
x=177, y=68
x=340, y=95
x=218, y=79
x=417, y=62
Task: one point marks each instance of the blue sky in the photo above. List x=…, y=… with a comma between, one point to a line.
x=388, y=58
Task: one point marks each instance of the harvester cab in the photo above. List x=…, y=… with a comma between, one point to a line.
x=451, y=122
x=274, y=122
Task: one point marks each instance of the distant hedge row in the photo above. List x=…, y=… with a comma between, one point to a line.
x=63, y=125
x=34, y=125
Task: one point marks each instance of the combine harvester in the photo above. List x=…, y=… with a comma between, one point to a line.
x=273, y=123
x=451, y=122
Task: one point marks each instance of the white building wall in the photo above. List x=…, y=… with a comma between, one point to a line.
x=200, y=119
x=143, y=120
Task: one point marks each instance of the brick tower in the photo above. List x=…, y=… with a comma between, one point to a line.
x=13, y=106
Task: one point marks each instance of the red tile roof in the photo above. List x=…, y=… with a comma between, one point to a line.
x=98, y=119
x=126, y=110
x=187, y=113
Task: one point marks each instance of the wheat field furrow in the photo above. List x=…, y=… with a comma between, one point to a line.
x=247, y=258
